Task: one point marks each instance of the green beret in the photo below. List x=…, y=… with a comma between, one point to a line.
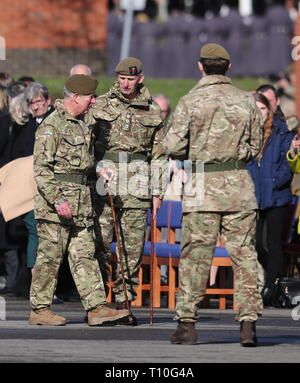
x=81, y=84
x=129, y=67
x=214, y=51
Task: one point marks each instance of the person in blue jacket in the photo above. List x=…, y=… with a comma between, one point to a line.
x=272, y=178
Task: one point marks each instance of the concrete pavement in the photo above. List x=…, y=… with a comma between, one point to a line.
x=218, y=338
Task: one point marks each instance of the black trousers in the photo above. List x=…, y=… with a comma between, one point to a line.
x=269, y=241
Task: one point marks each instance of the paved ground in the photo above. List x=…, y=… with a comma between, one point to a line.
x=218, y=335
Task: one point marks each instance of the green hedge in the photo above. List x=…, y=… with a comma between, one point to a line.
x=172, y=88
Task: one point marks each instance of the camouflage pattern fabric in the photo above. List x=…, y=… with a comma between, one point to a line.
x=217, y=123
x=62, y=146
x=200, y=230
x=54, y=241
x=132, y=231
x=128, y=127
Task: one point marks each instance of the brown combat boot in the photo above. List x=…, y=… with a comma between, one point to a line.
x=248, y=334
x=104, y=314
x=46, y=317
x=185, y=334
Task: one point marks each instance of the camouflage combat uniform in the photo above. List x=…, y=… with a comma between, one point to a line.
x=125, y=133
x=217, y=123
x=62, y=159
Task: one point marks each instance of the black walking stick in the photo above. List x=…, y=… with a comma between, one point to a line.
x=119, y=247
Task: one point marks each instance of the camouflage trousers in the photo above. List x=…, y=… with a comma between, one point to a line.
x=200, y=230
x=54, y=241
x=132, y=228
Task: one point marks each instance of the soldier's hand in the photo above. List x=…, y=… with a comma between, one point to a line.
x=106, y=173
x=156, y=204
x=64, y=210
x=182, y=176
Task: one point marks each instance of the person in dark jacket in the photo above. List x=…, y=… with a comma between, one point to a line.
x=38, y=101
x=272, y=178
x=11, y=243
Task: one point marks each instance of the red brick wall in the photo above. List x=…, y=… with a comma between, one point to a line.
x=44, y=24
x=47, y=37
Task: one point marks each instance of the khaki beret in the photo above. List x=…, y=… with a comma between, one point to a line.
x=129, y=67
x=81, y=84
x=214, y=51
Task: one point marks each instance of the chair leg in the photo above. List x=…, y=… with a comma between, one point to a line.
x=233, y=298
x=157, y=285
x=222, y=298
x=171, y=287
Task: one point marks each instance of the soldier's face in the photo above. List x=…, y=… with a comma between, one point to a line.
x=84, y=103
x=129, y=85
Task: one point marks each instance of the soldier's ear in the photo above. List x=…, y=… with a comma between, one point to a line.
x=141, y=78
x=76, y=97
x=200, y=66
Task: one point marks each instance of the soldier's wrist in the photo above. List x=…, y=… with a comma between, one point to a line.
x=59, y=202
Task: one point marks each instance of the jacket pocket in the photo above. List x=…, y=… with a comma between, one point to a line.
x=74, y=147
x=148, y=124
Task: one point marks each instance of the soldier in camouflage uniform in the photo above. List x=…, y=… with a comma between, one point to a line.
x=63, y=208
x=219, y=125
x=127, y=130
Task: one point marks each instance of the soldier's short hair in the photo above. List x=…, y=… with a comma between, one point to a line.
x=215, y=66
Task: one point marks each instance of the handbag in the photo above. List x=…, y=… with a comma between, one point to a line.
x=286, y=292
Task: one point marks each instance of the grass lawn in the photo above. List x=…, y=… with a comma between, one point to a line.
x=172, y=88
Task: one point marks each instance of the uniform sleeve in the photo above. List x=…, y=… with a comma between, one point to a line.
x=175, y=141
x=159, y=163
x=251, y=140
x=45, y=148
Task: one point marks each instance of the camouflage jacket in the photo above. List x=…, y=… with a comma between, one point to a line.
x=216, y=123
x=128, y=127
x=62, y=146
